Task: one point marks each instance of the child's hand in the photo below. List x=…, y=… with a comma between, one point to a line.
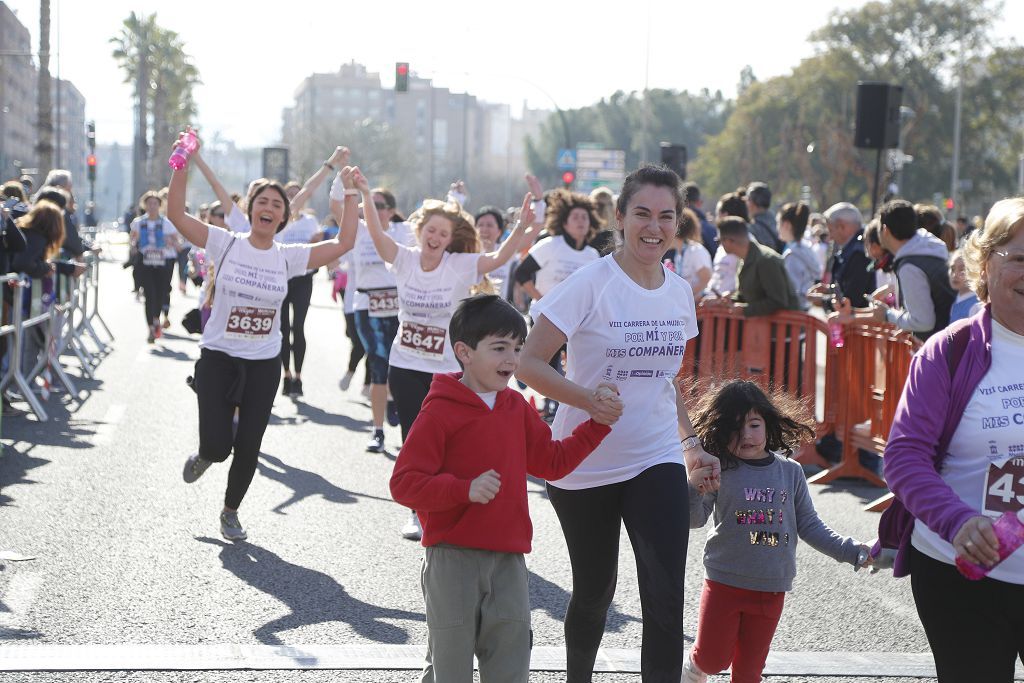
x=864, y=558
x=701, y=478
x=607, y=404
x=484, y=488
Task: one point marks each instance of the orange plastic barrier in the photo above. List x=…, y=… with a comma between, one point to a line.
x=874, y=364
x=782, y=351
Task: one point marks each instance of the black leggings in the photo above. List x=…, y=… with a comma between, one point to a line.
x=408, y=388
x=300, y=291
x=654, y=507
x=156, y=288
x=222, y=383
x=975, y=628
x=357, y=346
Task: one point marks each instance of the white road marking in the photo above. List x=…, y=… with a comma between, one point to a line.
x=108, y=426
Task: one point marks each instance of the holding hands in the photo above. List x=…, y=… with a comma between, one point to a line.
x=604, y=405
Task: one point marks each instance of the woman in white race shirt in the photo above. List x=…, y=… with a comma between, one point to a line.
x=156, y=241
x=431, y=279
x=376, y=306
x=626, y=320
x=490, y=225
x=571, y=221
x=240, y=365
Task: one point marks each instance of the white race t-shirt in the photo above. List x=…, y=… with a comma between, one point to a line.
x=345, y=264
x=693, y=258
x=620, y=332
x=426, y=302
x=369, y=269
x=500, y=278
x=250, y=286
x=152, y=254
x=558, y=260
x=985, y=466
x=299, y=231
x=236, y=220
x=726, y=267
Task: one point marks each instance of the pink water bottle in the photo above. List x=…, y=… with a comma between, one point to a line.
x=835, y=334
x=1010, y=532
x=184, y=149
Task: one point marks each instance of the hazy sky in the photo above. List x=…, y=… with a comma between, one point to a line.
x=253, y=55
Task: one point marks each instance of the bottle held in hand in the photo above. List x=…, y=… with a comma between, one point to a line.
x=184, y=149
x=1010, y=532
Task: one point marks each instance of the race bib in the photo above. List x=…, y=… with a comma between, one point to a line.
x=249, y=323
x=153, y=256
x=383, y=303
x=1004, y=487
x=425, y=341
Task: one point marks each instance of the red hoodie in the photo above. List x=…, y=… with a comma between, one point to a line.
x=455, y=439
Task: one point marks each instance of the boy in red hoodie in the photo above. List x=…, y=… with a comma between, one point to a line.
x=463, y=469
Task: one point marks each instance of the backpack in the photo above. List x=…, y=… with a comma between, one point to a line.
x=896, y=521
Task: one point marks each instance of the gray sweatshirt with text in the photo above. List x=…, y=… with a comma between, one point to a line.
x=758, y=514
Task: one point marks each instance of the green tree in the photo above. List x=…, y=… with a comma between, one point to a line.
x=796, y=130
x=162, y=75
x=631, y=122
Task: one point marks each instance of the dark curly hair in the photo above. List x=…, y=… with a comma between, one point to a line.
x=560, y=204
x=721, y=414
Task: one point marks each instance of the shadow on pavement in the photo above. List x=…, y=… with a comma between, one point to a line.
x=164, y=352
x=304, y=484
x=14, y=468
x=312, y=596
x=310, y=413
x=554, y=600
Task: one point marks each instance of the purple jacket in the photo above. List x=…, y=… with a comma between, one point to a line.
x=926, y=418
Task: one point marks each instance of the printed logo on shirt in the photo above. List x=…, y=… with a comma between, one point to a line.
x=764, y=516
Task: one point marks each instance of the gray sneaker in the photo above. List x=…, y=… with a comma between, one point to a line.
x=194, y=468
x=230, y=527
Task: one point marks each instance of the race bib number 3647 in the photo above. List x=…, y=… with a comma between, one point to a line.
x=425, y=341
x=249, y=323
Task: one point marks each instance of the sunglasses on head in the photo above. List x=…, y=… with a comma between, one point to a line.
x=380, y=206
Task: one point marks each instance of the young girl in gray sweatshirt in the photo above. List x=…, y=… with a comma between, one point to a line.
x=760, y=510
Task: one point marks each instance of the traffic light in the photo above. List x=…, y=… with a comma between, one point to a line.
x=90, y=135
x=568, y=177
x=90, y=162
x=402, y=77
x=950, y=204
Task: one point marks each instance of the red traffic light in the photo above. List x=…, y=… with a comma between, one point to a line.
x=950, y=204
x=91, y=160
x=568, y=177
x=402, y=69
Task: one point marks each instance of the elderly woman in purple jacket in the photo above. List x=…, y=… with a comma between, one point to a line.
x=955, y=461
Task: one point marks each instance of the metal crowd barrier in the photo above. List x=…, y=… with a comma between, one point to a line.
x=62, y=320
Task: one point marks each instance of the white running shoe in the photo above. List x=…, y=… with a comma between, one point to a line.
x=412, y=529
x=691, y=674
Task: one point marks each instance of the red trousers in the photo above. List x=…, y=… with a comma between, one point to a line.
x=736, y=626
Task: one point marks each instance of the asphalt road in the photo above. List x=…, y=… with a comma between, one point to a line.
x=127, y=553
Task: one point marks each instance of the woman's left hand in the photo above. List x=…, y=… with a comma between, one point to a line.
x=977, y=542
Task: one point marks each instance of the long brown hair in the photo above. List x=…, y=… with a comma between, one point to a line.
x=47, y=219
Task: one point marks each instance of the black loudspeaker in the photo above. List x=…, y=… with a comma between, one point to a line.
x=878, y=115
x=674, y=156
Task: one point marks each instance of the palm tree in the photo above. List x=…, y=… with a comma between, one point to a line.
x=133, y=50
x=174, y=76
x=44, y=118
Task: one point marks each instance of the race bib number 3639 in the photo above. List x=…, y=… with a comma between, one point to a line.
x=1004, y=487
x=425, y=341
x=249, y=323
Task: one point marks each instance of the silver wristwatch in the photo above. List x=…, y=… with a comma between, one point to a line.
x=691, y=442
